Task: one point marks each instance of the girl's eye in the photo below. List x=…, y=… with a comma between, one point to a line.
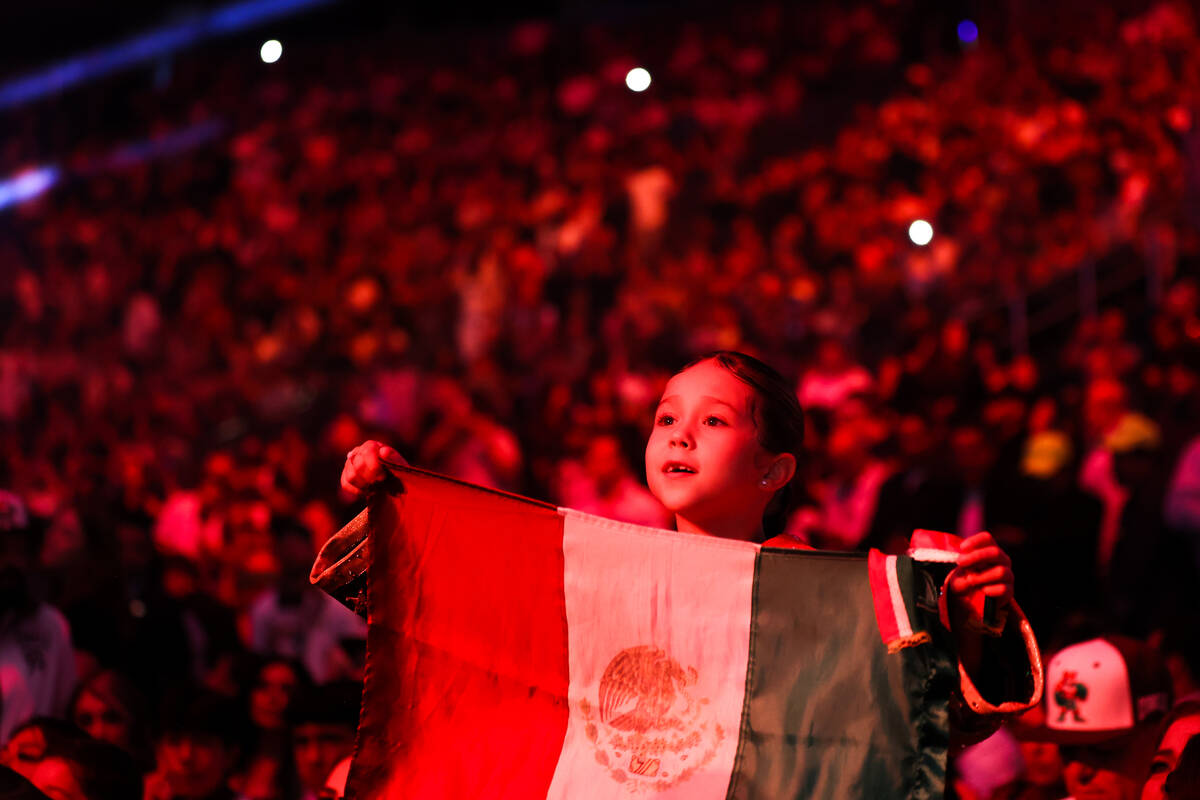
x=665, y=419
x=713, y=421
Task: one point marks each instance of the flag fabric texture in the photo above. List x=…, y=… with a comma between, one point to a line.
x=517, y=650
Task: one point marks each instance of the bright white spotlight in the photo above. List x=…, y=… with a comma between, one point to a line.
x=271, y=51
x=921, y=232
x=637, y=79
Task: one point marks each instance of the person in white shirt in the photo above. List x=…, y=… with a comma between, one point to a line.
x=295, y=620
x=37, y=661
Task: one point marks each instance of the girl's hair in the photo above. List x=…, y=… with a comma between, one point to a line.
x=780, y=422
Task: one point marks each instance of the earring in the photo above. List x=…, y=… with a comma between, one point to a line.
x=763, y=482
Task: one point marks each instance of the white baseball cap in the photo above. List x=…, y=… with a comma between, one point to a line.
x=1103, y=688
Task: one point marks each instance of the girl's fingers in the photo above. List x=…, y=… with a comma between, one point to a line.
x=980, y=558
x=365, y=467
x=388, y=454
x=997, y=574
x=984, y=566
x=348, y=480
x=979, y=540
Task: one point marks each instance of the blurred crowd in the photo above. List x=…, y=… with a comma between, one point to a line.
x=486, y=251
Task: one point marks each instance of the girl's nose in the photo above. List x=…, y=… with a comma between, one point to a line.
x=679, y=439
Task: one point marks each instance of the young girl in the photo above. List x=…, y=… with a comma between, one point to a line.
x=728, y=435
x=722, y=458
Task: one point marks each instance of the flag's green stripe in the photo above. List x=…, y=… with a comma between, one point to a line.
x=829, y=713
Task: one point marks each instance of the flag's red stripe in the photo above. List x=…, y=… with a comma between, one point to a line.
x=466, y=689
x=885, y=614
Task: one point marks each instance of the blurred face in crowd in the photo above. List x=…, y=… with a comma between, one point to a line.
x=1167, y=755
x=318, y=747
x=295, y=556
x=972, y=454
x=24, y=751
x=831, y=356
x=194, y=764
x=955, y=338
x=54, y=777
x=913, y=438
x=848, y=451
x=1111, y=770
x=103, y=720
x=271, y=695
x=604, y=462
x=1103, y=406
x=179, y=579
x=1043, y=764
x=704, y=461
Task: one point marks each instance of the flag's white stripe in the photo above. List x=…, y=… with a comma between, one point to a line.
x=651, y=607
x=902, y=622
x=933, y=554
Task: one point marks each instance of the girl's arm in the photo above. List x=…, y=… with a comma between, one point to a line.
x=983, y=571
x=999, y=661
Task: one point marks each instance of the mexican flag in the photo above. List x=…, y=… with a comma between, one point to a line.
x=517, y=650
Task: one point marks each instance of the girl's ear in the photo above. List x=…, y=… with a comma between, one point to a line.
x=779, y=472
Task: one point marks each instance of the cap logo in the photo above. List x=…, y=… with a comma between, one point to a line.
x=1068, y=694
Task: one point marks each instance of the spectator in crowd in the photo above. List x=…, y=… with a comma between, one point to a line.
x=513, y=247
x=197, y=749
x=962, y=497
x=32, y=740
x=64, y=762
x=991, y=768
x=849, y=496
x=602, y=483
x=1183, y=497
x=323, y=724
x=1054, y=523
x=1179, y=643
x=1184, y=781
x=35, y=642
x=1180, y=727
x=1042, y=777
x=1105, y=406
x=109, y=708
x=913, y=487
x=276, y=684
x=297, y=621
x=1105, y=700
x=833, y=378
x=1141, y=554
x=268, y=768
x=87, y=769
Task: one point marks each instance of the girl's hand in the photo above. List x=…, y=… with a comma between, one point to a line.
x=364, y=469
x=982, y=567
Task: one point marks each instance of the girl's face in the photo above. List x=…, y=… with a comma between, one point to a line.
x=703, y=460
